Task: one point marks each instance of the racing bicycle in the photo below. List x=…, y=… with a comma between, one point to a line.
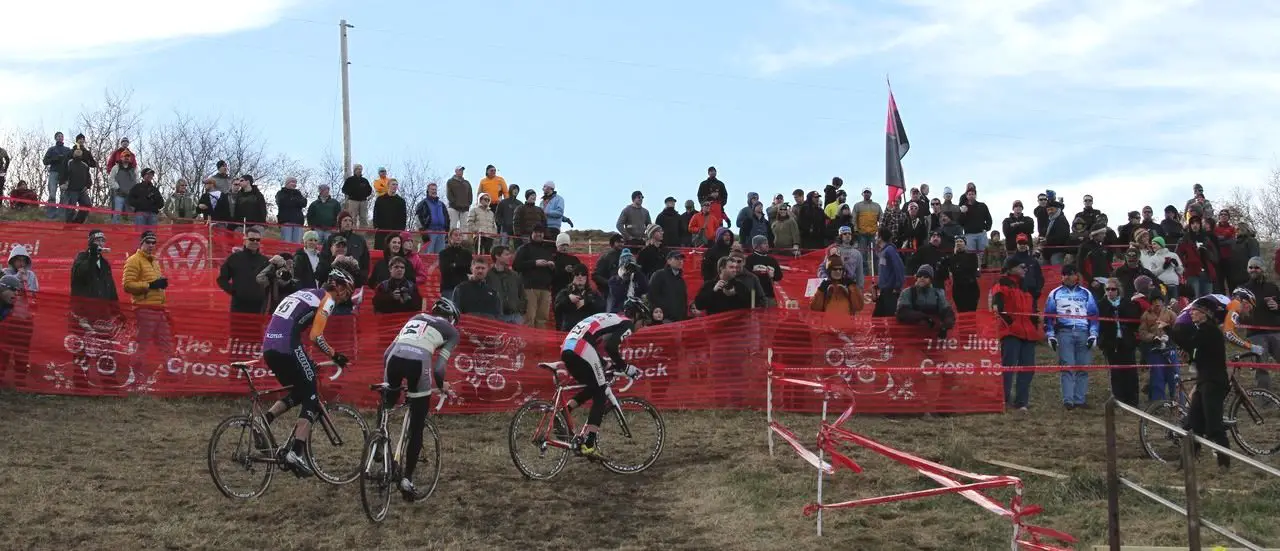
x=1245, y=409
x=244, y=471
x=382, y=471
x=541, y=435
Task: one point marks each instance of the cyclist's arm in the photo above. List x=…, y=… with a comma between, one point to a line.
x=442, y=355
x=613, y=342
x=318, y=324
x=1229, y=330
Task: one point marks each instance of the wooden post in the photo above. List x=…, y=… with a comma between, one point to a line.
x=1113, y=479
x=1193, y=493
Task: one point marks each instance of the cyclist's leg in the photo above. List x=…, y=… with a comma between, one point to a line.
x=588, y=370
x=584, y=395
x=286, y=372
x=305, y=394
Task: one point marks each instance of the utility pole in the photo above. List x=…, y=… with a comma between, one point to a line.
x=346, y=99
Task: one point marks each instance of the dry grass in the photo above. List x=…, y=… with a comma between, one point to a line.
x=129, y=474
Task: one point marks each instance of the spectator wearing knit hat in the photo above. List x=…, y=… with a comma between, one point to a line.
x=744, y=214
x=837, y=295
x=1265, y=321
x=145, y=200
x=552, y=208
x=566, y=264
x=1131, y=270
x=535, y=261
x=1032, y=275
x=357, y=247
x=947, y=205
x=528, y=216
x=1016, y=223
x=786, y=232
x=627, y=282
x=756, y=225
x=654, y=254
x=1164, y=264
x=924, y=304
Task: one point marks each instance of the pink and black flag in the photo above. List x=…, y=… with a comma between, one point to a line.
x=895, y=148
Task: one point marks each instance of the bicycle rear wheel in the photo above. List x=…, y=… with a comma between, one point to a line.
x=337, y=451
x=1158, y=442
x=528, y=439
x=1264, y=431
x=427, y=473
x=376, y=485
x=632, y=454
x=240, y=470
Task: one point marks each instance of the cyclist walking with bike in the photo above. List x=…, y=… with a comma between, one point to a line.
x=283, y=352
x=409, y=359
x=581, y=354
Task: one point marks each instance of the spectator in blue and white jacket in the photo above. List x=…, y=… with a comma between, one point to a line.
x=1074, y=335
x=553, y=207
x=891, y=276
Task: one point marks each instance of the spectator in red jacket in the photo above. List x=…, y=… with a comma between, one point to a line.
x=1226, y=233
x=1019, y=332
x=1199, y=259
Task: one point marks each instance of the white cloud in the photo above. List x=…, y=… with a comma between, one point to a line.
x=1187, y=90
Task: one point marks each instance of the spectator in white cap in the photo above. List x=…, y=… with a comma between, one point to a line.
x=553, y=207
x=948, y=205
x=458, y=194
x=565, y=264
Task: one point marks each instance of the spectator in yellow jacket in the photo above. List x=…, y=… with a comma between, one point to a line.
x=382, y=183
x=142, y=278
x=493, y=185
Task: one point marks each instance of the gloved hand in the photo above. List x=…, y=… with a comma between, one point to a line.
x=1053, y=343
x=633, y=372
x=94, y=250
x=1256, y=349
x=162, y=283
x=1091, y=342
x=340, y=360
x=824, y=285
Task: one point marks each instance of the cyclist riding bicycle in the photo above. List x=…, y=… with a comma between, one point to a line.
x=1227, y=311
x=284, y=354
x=409, y=359
x=581, y=354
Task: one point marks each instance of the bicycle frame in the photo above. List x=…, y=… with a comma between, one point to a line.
x=256, y=409
x=1233, y=385
x=545, y=426
x=385, y=413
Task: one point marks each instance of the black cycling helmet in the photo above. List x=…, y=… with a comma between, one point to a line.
x=445, y=308
x=1244, y=295
x=636, y=309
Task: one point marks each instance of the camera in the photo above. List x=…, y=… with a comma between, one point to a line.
x=630, y=268
x=284, y=275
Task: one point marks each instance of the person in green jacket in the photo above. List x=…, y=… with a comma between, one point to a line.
x=322, y=214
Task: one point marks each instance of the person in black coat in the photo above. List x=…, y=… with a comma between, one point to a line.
x=1017, y=223
x=725, y=292
x=455, y=263
x=239, y=275
x=673, y=231
x=1118, y=340
x=397, y=293
x=291, y=206
x=1207, y=348
x=357, y=247
x=667, y=289
x=392, y=249
x=963, y=267
x=474, y=295
x=576, y=301
x=390, y=215
x=251, y=206
x=764, y=267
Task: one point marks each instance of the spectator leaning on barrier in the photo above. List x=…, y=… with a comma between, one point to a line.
x=1118, y=340
x=474, y=295
x=712, y=189
x=17, y=326
x=673, y=231
x=495, y=186
x=459, y=195
x=181, y=206
x=415, y=257
x=577, y=300
x=527, y=216
x=634, y=219
x=553, y=208
x=306, y=261
x=667, y=289
x=565, y=263
x=924, y=304
x=508, y=284
x=390, y=214
x=890, y=276
x=535, y=261
x=322, y=214
x=455, y=263
x=1073, y=334
x=238, y=276
x=1018, y=329
x=434, y=219
x=19, y=266
x=146, y=201
x=607, y=264
x=1265, y=322
x=356, y=189
x=1153, y=334
x=480, y=224
x=290, y=204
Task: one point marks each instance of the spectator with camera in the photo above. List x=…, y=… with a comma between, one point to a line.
x=397, y=293
x=1153, y=333
x=628, y=282
x=725, y=292
x=276, y=279
x=577, y=301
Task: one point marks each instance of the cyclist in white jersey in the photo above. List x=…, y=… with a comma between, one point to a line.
x=581, y=354
x=409, y=359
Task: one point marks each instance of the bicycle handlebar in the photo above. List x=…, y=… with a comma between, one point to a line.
x=1244, y=355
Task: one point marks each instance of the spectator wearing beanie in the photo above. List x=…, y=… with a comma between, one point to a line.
x=1016, y=223
x=565, y=265
x=1018, y=329
x=654, y=254
x=786, y=232
x=1131, y=270
x=1165, y=265
x=357, y=247
x=837, y=295
x=1199, y=259
x=1265, y=322
x=625, y=283
x=1032, y=275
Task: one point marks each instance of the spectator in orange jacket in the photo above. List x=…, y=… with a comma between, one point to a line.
x=704, y=224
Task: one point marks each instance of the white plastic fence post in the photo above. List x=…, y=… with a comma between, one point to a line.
x=821, y=453
x=768, y=399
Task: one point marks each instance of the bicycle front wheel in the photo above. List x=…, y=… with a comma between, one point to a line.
x=529, y=440
x=427, y=473
x=337, y=449
x=1160, y=443
x=376, y=485
x=632, y=453
x=1261, y=439
x=240, y=459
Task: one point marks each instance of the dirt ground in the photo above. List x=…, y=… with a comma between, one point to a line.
x=131, y=474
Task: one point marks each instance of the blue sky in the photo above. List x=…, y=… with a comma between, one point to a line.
x=1132, y=101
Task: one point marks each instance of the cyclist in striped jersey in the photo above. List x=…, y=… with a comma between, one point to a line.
x=581, y=354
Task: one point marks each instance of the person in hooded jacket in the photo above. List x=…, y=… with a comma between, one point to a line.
x=719, y=249
x=704, y=225
x=786, y=232
x=673, y=231
x=812, y=221
x=1032, y=274
x=963, y=265
x=1018, y=329
x=1016, y=223
x=838, y=295
x=291, y=205
x=757, y=225
x=455, y=263
x=843, y=219
x=846, y=247
x=1094, y=258
x=19, y=266
x=504, y=215
x=745, y=213
x=626, y=283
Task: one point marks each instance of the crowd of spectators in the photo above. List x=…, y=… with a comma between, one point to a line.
x=505, y=256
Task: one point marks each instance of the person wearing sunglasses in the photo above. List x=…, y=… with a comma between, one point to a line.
x=239, y=275
x=1264, y=330
x=1118, y=339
